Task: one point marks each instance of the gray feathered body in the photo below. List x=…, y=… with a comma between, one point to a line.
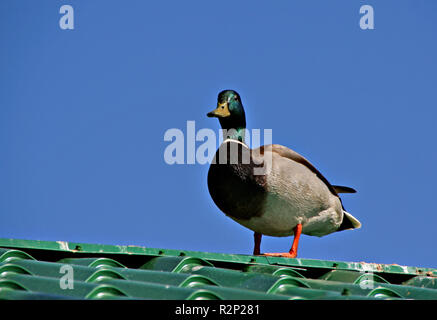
x=290, y=192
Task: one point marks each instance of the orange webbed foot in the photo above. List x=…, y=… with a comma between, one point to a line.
x=282, y=254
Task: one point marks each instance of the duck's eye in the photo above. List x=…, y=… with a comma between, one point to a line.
x=235, y=98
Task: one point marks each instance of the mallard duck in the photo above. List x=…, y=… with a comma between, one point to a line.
x=289, y=197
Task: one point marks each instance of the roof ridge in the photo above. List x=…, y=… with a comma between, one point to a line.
x=65, y=246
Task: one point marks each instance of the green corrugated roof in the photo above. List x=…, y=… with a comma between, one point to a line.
x=32, y=270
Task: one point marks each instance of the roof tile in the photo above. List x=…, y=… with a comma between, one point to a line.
x=32, y=270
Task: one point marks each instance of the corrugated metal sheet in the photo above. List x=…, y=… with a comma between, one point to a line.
x=61, y=270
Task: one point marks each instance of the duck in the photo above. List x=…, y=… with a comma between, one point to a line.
x=271, y=190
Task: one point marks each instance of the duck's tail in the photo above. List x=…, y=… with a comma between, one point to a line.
x=349, y=222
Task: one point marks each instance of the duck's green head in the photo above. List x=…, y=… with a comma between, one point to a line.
x=230, y=113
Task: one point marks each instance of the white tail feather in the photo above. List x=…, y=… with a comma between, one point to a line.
x=354, y=221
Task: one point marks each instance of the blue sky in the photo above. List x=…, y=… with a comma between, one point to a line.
x=83, y=114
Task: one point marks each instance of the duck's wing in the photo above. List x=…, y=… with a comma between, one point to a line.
x=293, y=155
x=349, y=222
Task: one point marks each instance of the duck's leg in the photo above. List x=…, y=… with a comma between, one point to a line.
x=257, y=248
x=293, y=251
